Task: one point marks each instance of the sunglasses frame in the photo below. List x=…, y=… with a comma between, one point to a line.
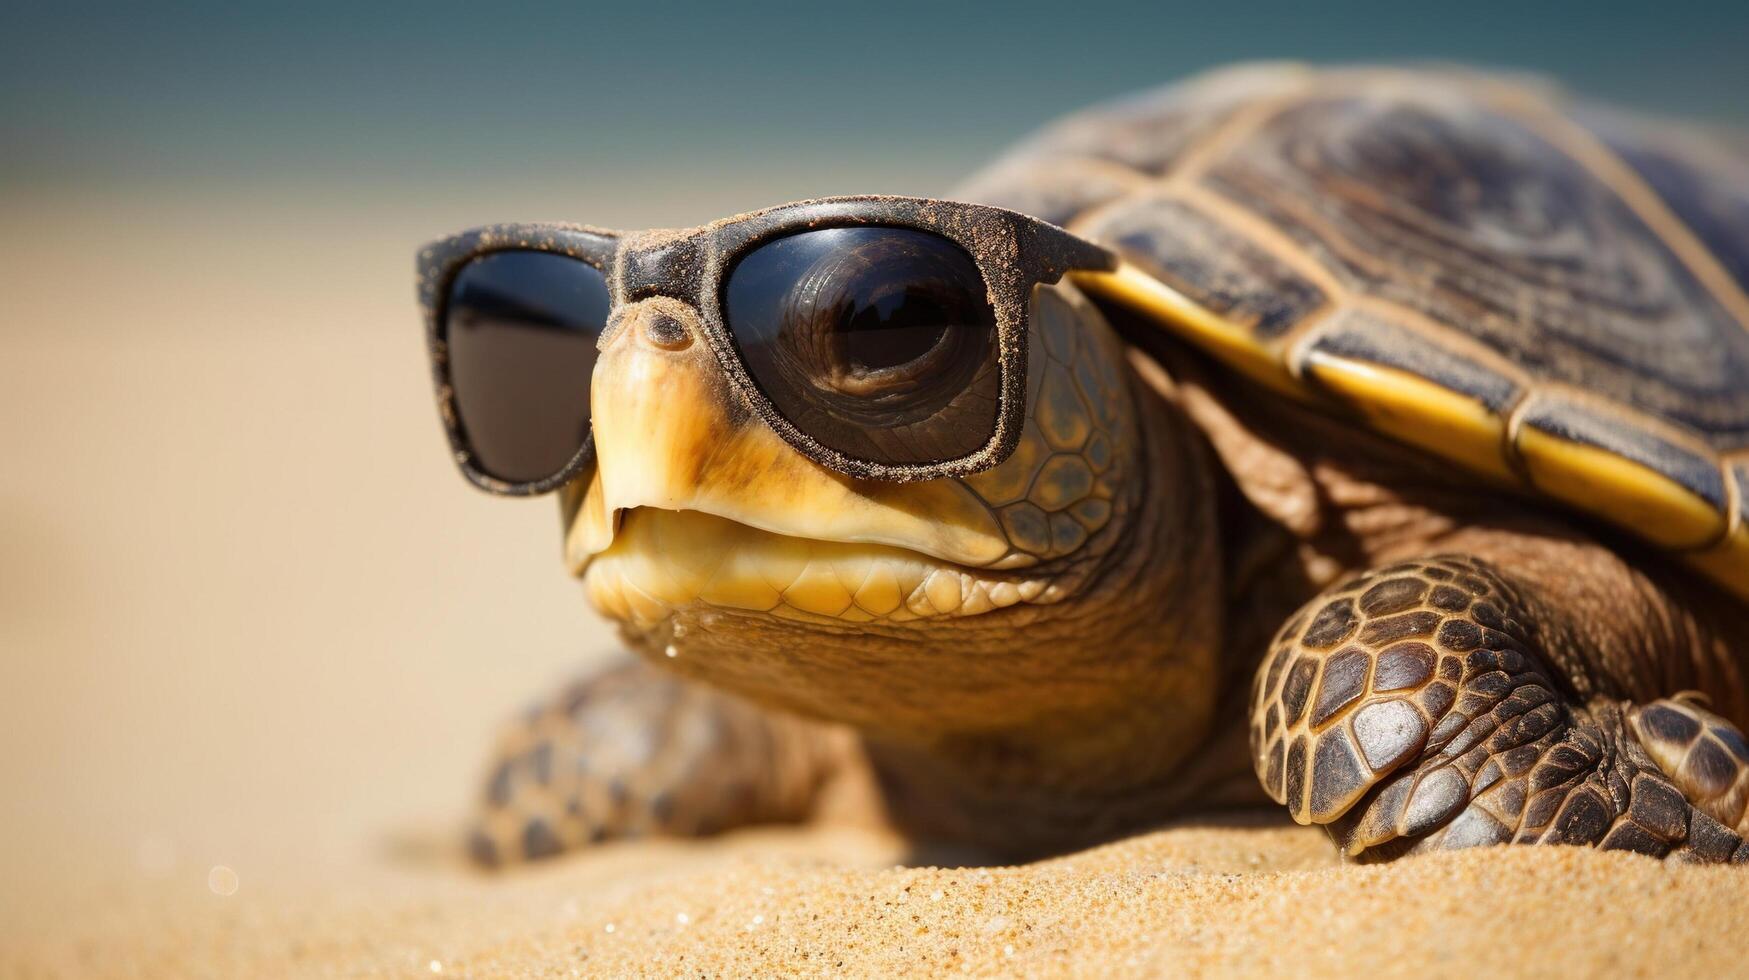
x=1013, y=253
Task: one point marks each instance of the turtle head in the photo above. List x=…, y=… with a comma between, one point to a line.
x=729, y=555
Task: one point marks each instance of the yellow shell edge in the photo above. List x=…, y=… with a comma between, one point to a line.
x=1419, y=412
x=1727, y=562
x=1456, y=427
x=1137, y=290
x=1633, y=496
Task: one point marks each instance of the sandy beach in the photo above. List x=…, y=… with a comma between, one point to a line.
x=1198, y=901
x=256, y=635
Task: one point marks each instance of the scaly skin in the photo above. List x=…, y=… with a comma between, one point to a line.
x=1423, y=707
x=1490, y=676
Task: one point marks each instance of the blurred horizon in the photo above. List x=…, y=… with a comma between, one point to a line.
x=641, y=96
x=250, y=615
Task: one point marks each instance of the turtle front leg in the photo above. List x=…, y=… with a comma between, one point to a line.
x=634, y=752
x=1420, y=707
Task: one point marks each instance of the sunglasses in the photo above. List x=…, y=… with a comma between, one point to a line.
x=881, y=337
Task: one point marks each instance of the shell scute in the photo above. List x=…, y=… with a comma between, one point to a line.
x=1553, y=296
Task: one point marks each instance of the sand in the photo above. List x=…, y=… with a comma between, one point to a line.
x=1191, y=900
x=255, y=636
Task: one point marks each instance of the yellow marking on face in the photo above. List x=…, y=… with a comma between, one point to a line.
x=880, y=593
x=669, y=434
x=1061, y=414
x=1634, y=496
x=1010, y=481
x=662, y=561
x=712, y=506
x=1078, y=410
x=1062, y=481
x=1418, y=412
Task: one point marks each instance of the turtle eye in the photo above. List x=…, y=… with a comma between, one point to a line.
x=878, y=342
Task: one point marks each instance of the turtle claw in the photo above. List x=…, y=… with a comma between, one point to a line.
x=1411, y=710
x=1702, y=753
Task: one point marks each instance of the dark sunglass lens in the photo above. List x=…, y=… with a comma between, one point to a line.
x=522, y=328
x=879, y=343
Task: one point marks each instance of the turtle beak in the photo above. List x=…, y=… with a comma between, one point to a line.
x=672, y=433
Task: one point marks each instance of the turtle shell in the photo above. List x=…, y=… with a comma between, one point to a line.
x=1547, y=293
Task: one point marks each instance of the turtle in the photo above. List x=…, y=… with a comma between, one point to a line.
x=1368, y=442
